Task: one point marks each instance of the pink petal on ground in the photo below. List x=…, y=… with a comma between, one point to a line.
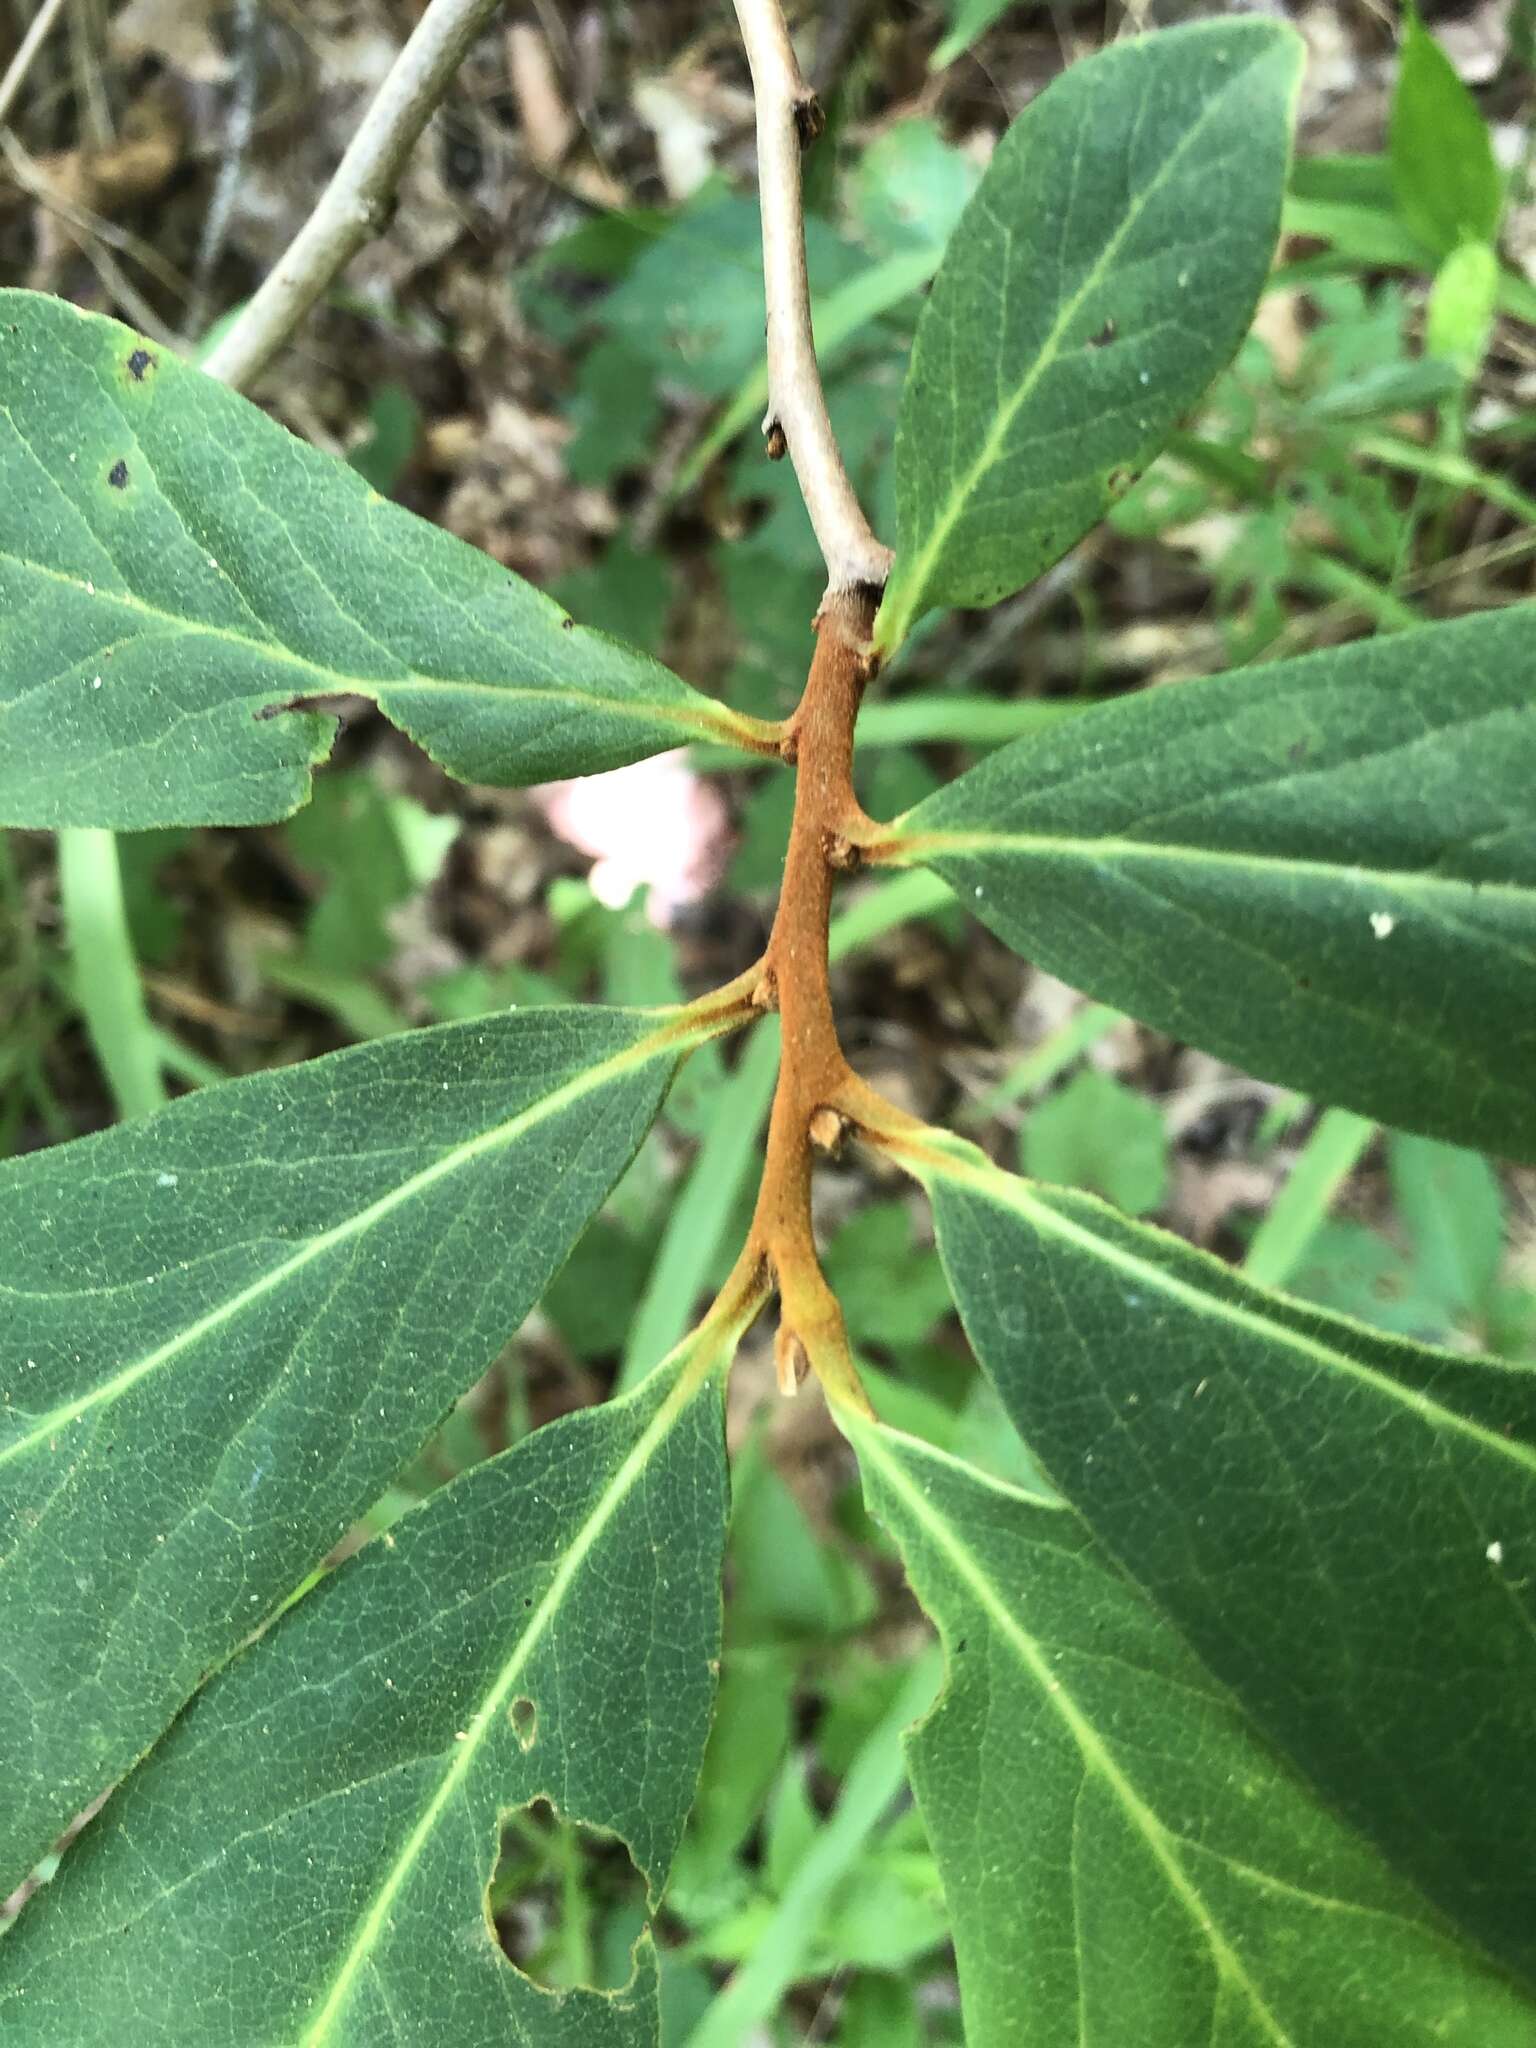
x=654, y=825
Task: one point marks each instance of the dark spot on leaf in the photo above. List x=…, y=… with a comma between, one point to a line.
x=960, y=1645
x=524, y=1716
x=138, y=363
x=567, y=625
x=1119, y=480
x=1303, y=981
x=1104, y=337
x=117, y=475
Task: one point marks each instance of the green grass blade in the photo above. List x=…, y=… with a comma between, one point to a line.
x=1325, y=1162
x=106, y=973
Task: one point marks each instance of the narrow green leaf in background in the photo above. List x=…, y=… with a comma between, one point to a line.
x=175, y=566
x=1301, y=1205
x=225, y=1329
x=106, y=974
x=1446, y=181
x=304, y=1859
x=1339, y=852
x=1102, y=274
x=816, y=1863
x=1124, y=1860
x=1351, y=202
x=1338, y=1523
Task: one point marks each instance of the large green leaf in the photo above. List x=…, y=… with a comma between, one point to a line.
x=227, y=1326
x=1102, y=274
x=174, y=567
x=1339, y=1523
x=1124, y=1860
x=1324, y=871
x=304, y=1859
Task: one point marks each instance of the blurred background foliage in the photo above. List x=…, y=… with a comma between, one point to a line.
x=555, y=351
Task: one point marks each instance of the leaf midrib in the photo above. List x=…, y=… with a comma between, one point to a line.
x=926, y=847
x=335, y=681
x=655, y=1045
x=1007, y=1192
x=915, y=581
x=464, y=1752
x=1053, y=1690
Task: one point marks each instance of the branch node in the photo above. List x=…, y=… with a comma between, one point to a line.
x=765, y=995
x=828, y=1129
x=810, y=118
x=775, y=441
x=791, y=1360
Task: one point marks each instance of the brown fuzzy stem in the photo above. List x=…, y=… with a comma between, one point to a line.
x=814, y=1076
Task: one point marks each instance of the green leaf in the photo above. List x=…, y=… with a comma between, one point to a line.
x=177, y=572
x=1351, y=202
x=305, y=1857
x=784, y=1946
x=880, y=2012
x=1324, y=870
x=911, y=187
x=1098, y=1135
x=691, y=308
x=1458, y=320
x=1300, y=1206
x=891, y=1290
x=788, y=1583
x=369, y=850
x=1124, y=1861
x=748, y=1740
x=1102, y=274
x=394, y=423
x=1356, y=1271
x=1338, y=1523
x=1450, y=1201
x=227, y=1327
x=1443, y=171
x=969, y=20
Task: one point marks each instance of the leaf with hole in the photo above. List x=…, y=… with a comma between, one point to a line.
x=322, y=1824
x=1338, y=1523
x=1103, y=272
x=1124, y=1858
x=228, y=1326
x=1323, y=871
x=178, y=573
